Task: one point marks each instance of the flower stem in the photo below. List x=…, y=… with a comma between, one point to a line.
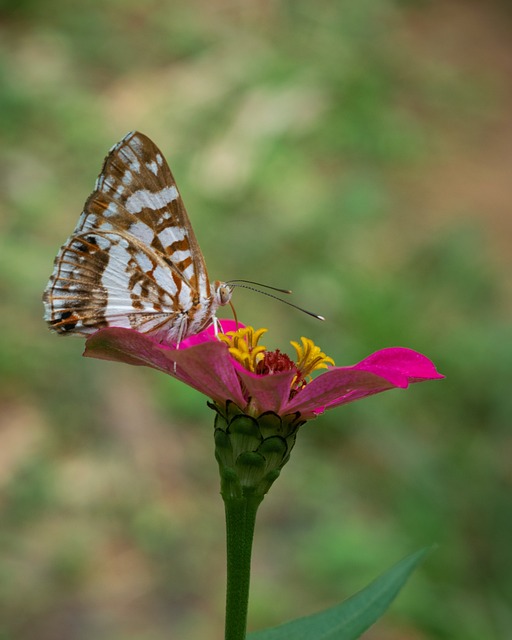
x=240, y=520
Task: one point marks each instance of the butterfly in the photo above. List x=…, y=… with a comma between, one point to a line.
x=133, y=260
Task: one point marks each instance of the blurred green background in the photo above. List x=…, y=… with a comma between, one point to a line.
x=358, y=153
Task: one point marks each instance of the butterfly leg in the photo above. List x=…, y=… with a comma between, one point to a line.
x=182, y=331
x=216, y=326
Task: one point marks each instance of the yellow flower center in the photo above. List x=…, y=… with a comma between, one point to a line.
x=243, y=346
x=310, y=357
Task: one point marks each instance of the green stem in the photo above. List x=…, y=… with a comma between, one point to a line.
x=240, y=520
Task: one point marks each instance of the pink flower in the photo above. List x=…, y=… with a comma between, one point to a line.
x=234, y=367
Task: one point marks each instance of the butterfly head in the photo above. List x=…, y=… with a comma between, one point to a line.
x=222, y=293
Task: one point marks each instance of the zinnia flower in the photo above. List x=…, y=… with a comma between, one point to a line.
x=260, y=397
x=233, y=367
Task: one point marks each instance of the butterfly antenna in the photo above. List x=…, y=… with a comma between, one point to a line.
x=257, y=284
x=244, y=284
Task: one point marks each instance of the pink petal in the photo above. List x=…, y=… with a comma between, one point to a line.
x=210, y=334
x=268, y=392
x=207, y=366
x=383, y=370
x=408, y=365
x=336, y=386
x=126, y=345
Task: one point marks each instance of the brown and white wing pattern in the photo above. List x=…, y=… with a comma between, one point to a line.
x=133, y=260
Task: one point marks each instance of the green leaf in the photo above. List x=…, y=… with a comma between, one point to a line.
x=355, y=615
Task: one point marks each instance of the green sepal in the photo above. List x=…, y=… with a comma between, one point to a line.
x=351, y=618
x=274, y=450
x=244, y=434
x=270, y=423
x=251, y=450
x=223, y=448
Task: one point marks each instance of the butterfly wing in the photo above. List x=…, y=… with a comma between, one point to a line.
x=133, y=259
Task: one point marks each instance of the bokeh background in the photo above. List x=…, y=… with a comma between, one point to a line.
x=359, y=153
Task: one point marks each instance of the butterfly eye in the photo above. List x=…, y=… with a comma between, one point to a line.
x=223, y=293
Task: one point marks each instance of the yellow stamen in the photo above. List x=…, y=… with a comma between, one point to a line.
x=243, y=346
x=310, y=357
